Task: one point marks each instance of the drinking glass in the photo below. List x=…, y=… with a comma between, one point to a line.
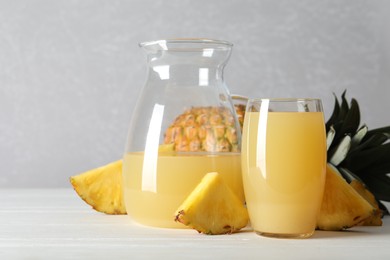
x=284, y=165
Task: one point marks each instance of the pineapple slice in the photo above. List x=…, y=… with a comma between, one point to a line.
x=342, y=206
x=376, y=218
x=102, y=188
x=212, y=208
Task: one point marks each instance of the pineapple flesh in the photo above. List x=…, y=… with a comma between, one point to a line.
x=209, y=129
x=342, y=206
x=212, y=208
x=101, y=188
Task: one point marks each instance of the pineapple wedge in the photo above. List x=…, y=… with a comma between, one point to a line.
x=102, y=188
x=376, y=218
x=342, y=206
x=212, y=208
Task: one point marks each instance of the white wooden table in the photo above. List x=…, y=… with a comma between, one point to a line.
x=57, y=224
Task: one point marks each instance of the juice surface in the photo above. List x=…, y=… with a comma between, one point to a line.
x=284, y=164
x=154, y=189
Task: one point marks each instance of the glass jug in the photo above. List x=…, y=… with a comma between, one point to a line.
x=184, y=125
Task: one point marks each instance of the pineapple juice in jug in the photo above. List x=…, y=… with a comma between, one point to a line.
x=155, y=195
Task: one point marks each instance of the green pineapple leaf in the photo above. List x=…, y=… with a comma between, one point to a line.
x=344, y=107
x=374, y=141
x=381, y=169
x=381, y=184
x=365, y=156
x=352, y=118
x=382, y=130
x=358, y=137
x=364, y=160
x=338, y=154
x=329, y=137
x=335, y=115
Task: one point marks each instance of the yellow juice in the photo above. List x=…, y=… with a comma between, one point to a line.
x=284, y=163
x=155, y=188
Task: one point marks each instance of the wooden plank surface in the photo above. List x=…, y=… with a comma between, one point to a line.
x=57, y=224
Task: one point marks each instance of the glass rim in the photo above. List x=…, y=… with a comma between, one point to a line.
x=186, y=44
x=256, y=100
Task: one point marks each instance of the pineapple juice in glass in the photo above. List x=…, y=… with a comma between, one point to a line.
x=183, y=126
x=283, y=165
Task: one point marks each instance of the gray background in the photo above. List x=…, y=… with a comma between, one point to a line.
x=71, y=71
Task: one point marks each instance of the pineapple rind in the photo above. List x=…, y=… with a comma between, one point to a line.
x=101, y=188
x=342, y=206
x=376, y=218
x=212, y=208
